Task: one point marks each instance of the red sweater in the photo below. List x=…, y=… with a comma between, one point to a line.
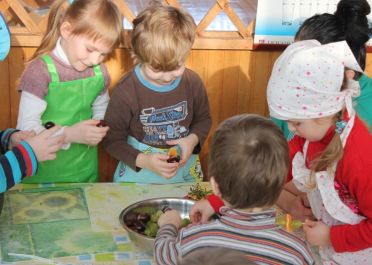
x=354, y=173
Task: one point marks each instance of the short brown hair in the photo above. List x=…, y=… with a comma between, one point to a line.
x=162, y=36
x=249, y=161
x=215, y=256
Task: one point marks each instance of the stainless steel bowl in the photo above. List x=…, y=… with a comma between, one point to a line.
x=143, y=242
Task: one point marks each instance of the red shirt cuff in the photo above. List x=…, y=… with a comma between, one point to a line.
x=215, y=202
x=336, y=239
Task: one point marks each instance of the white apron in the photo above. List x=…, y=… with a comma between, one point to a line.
x=327, y=205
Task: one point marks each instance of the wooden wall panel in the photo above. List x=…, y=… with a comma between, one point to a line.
x=4, y=94
x=235, y=81
x=17, y=60
x=369, y=64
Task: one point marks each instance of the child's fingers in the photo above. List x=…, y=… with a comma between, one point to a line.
x=90, y=122
x=308, y=213
x=168, y=175
x=168, y=168
x=55, y=147
x=103, y=130
x=162, y=157
x=51, y=156
x=196, y=218
x=309, y=223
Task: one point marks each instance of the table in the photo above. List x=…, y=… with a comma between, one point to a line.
x=74, y=224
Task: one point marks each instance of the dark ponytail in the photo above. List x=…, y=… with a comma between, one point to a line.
x=349, y=23
x=351, y=16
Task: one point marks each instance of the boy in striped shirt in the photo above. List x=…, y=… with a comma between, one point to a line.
x=248, y=165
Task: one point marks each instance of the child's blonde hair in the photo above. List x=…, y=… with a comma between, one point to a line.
x=95, y=19
x=162, y=37
x=332, y=153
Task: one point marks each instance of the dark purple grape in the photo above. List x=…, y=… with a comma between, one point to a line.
x=130, y=218
x=101, y=123
x=174, y=159
x=139, y=226
x=49, y=124
x=144, y=217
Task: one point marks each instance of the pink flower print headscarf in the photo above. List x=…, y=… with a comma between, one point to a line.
x=306, y=80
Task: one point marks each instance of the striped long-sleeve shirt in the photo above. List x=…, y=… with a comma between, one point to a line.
x=254, y=234
x=15, y=164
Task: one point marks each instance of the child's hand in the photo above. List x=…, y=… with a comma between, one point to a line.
x=157, y=163
x=170, y=217
x=300, y=208
x=17, y=137
x=85, y=132
x=45, y=145
x=187, y=145
x=201, y=212
x=316, y=233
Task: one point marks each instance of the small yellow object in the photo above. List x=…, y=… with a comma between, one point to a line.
x=288, y=223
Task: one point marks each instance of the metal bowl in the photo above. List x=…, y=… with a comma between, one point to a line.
x=146, y=243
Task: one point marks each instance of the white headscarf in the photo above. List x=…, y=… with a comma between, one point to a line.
x=306, y=80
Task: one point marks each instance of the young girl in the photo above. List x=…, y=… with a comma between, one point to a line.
x=349, y=23
x=66, y=83
x=159, y=103
x=331, y=152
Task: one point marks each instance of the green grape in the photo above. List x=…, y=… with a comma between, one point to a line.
x=155, y=216
x=151, y=229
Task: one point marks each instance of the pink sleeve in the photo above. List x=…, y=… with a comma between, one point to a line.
x=35, y=79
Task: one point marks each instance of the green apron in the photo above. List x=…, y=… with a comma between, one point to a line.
x=69, y=103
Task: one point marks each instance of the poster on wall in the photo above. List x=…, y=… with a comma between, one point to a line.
x=278, y=21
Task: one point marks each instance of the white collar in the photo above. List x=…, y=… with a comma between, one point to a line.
x=60, y=53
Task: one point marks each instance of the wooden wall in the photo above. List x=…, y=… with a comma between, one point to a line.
x=235, y=81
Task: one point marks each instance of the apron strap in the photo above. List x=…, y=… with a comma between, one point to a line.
x=51, y=68
x=97, y=70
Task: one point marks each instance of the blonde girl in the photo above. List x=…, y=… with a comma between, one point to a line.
x=331, y=151
x=66, y=83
